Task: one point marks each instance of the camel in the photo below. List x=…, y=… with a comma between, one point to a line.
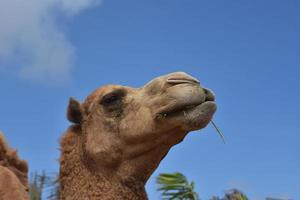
x=13, y=174
x=119, y=135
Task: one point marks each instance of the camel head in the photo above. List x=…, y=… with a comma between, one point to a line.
x=129, y=130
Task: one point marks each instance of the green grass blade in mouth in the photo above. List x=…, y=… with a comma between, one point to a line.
x=218, y=130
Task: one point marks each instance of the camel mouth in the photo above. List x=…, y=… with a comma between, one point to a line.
x=191, y=103
x=178, y=110
x=191, y=117
x=182, y=109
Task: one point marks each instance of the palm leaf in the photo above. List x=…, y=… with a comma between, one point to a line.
x=176, y=187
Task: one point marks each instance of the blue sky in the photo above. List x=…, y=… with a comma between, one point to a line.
x=246, y=51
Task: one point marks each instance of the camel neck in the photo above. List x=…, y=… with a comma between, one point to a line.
x=79, y=182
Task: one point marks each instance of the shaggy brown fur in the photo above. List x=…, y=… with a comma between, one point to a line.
x=80, y=181
x=120, y=135
x=13, y=174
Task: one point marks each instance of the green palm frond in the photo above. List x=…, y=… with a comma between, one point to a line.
x=176, y=187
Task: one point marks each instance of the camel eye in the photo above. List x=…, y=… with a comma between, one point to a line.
x=109, y=99
x=112, y=98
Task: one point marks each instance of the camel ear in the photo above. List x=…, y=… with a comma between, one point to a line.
x=75, y=112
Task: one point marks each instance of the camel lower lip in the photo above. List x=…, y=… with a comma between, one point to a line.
x=198, y=117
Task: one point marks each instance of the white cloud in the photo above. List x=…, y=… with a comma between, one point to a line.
x=32, y=43
x=75, y=6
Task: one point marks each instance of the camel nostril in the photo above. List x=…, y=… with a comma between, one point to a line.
x=181, y=77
